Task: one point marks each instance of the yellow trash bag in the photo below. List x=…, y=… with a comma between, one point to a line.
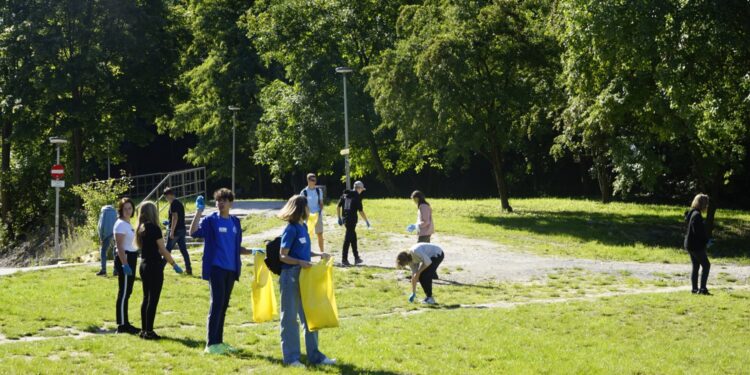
x=318, y=300
x=311, y=221
x=264, y=297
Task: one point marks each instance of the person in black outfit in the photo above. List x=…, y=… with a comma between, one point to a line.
x=154, y=255
x=350, y=204
x=696, y=242
x=176, y=229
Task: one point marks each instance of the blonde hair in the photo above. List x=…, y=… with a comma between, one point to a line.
x=295, y=210
x=147, y=213
x=700, y=202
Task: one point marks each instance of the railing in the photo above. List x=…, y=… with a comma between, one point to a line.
x=186, y=183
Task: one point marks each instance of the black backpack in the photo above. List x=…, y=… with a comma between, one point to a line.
x=273, y=248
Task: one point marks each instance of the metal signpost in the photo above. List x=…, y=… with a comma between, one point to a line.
x=57, y=173
x=344, y=71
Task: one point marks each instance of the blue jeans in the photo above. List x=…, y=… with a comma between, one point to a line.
x=179, y=239
x=220, y=284
x=106, y=244
x=291, y=306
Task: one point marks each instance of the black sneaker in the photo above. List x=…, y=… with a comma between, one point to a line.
x=358, y=260
x=704, y=291
x=189, y=272
x=345, y=263
x=150, y=335
x=694, y=291
x=101, y=273
x=123, y=329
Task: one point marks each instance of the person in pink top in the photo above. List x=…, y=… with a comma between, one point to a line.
x=424, y=225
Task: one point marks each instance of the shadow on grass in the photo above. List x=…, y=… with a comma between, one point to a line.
x=190, y=343
x=342, y=367
x=624, y=230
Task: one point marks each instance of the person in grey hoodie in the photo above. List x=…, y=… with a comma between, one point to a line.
x=696, y=242
x=107, y=218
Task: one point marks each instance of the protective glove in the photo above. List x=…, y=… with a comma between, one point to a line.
x=710, y=242
x=341, y=221
x=256, y=250
x=128, y=271
x=368, y=224
x=412, y=297
x=411, y=228
x=177, y=268
x=200, y=203
x=166, y=223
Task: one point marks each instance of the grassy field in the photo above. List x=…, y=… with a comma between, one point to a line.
x=380, y=332
x=576, y=228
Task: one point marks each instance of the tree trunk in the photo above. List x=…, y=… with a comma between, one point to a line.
x=603, y=178
x=713, y=204
x=499, y=172
x=4, y=174
x=77, y=154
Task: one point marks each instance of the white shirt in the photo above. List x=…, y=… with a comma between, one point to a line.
x=421, y=253
x=124, y=227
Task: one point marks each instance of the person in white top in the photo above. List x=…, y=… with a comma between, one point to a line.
x=125, y=262
x=423, y=259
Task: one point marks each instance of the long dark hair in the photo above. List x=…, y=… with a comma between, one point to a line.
x=420, y=197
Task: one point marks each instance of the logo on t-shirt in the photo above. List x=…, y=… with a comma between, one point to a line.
x=222, y=229
x=303, y=240
x=234, y=229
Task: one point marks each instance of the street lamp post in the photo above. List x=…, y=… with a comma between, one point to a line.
x=57, y=142
x=234, y=110
x=343, y=70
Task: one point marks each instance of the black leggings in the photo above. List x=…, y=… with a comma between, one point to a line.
x=430, y=273
x=125, y=287
x=699, y=259
x=152, y=275
x=350, y=238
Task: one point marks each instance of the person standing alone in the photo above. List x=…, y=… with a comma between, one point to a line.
x=349, y=205
x=176, y=230
x=314, y=197
x=696, y=242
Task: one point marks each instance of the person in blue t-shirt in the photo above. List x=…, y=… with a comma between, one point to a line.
x=222, y=236
x=296, y=254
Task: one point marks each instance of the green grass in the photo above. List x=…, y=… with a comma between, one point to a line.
x=571, y=227
x=380, y=332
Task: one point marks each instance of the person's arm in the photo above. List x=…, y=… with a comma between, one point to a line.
x=164, y=253
x=195, y=230
x=285, y=258
x=172, y=225
x=120, y=238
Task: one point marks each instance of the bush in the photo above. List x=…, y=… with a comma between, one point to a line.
x=95, y=195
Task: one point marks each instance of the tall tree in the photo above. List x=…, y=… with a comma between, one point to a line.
x=309, y=40
x=467, y=78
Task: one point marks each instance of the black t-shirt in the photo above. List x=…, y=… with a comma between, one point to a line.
x=148, y=236
x=350, y=203
x=179, y=209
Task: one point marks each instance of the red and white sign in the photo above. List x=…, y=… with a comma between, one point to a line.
x=58, y=172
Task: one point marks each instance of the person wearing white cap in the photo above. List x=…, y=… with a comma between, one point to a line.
x=349, y=205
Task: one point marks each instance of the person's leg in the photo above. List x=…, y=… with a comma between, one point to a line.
x=157, y=274
x=435, y=264
x=229, y=279
x=289, y=287
x=314, y=356
x=706, y=266
x=170, y=241
x=425, y=279
x=694, y=275
x=103, y=252
x=353, y=241
x=347, y=242
x=216, y=288
x=421, y=239
x=120, y=291
x=129, y=281
x=146, y=283
x=180, y=237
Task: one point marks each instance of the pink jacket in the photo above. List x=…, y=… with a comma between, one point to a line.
x=424, y=220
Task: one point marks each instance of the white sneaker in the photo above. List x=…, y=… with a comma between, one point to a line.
x=296, y=364
x=429, y=301
x=328, y=362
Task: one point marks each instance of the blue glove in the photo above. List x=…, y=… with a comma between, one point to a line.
x=200, y=202
x=341, y=221
x=411, y=228
x=412, y=297
x=177, y=268
x=368, y=224
x=258, y=251
x=128, y=271
x=166, y=223
x=710, y=242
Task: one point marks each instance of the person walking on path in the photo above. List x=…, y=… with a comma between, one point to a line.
x=153, y=256
x=222, y=234
x=423, y=259
x=125, y=261
x=696, y=242
x=176, y=230
x=107, y=218
x=350, y=204
x=314, y=197
x=295, y=254
x=424, y=225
